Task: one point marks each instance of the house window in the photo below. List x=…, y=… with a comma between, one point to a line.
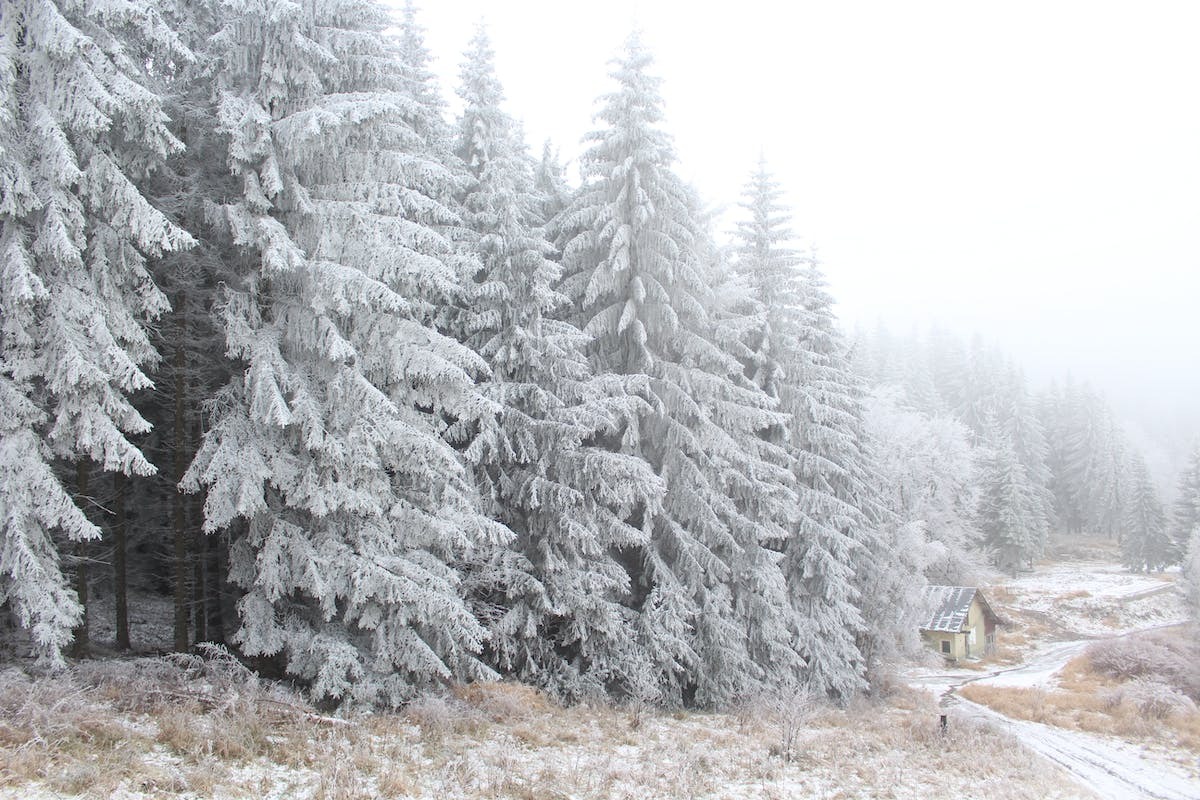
x=945, y=646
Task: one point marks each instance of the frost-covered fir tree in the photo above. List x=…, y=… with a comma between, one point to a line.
x=326, y=452
x=1019, y=420
x=1009, y=511
x=757, y=477
x=632, y=255
x=844, y=520
x=797, y=356
x=1087, y=460
x=1190, y=574
x=549, y=180
x=1145, y=543
x=80, y=126
x=1185, y=512
x=554, y=600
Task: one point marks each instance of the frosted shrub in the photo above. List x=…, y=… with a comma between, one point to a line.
x=1153, y=699
x=785, y=712
x=437, y=715
x=1164, y=658
x=502, y=701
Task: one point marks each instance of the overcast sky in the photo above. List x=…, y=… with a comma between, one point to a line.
x=1026, y=170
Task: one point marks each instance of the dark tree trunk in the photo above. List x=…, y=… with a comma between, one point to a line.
x=225, y=607
x=120, y=582
x=180, y=516
x=200, y=597
x=81, y=648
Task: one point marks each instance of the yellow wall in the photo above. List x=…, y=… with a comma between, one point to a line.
x=957, y=643
x=977, y=622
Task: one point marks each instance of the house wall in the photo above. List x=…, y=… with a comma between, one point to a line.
x=976, y=647
x=958, y=643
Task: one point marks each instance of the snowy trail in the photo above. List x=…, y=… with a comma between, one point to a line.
x=1109, y=769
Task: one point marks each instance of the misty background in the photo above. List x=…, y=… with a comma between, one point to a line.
x=1029, y=173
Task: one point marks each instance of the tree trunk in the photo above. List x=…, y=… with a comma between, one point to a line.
x=200, y=597
x=120, y=584
x=181, y=532
x=225, y=608
x=81, y=648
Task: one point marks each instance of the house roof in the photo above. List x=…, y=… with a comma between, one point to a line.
x=947, y=607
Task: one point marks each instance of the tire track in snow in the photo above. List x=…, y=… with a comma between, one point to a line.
x=1109, y=770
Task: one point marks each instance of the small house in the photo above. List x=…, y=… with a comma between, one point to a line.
x=959, y=622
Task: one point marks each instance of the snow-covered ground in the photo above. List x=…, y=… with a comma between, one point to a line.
x=134, y=730
x=1091, y=598
x=1109, y=767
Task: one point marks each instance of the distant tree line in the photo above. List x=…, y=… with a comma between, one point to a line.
x=1056, y=461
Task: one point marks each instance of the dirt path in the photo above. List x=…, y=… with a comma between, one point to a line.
x=1110, y=769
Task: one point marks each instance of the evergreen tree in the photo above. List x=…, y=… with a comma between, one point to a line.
x=796, y=356
x=632, y=253
x=1028, y=439
x=1191, y=574
x=1009, y=512
x=1145, y=545
x=1185, y=513
x=557, y=594
x=842, y=516
x=326, y=450
x=80, y=127
x=549, y=180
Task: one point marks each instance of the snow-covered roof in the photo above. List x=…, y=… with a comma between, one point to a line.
x=948, y=607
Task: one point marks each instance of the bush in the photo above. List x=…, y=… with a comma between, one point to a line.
x=786, y=711
x=1153, y=699
x=438, y=714
x=1164, y=657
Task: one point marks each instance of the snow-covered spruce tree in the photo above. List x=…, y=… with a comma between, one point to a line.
x=1185, y=512
x=845, y=521
x=982, y=396
x=798, y=357
x=757, y=477
x=632, y=253
x=1190, y=574
x=1085, y=457
x=554, y=601
x=1145, y=543
x=326, y=451
x=1024, y=430
x=1009, y=513
x=80, y=126
x=549, y=180
x=427, y=113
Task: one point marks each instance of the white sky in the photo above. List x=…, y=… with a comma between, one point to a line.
x=1026, y=170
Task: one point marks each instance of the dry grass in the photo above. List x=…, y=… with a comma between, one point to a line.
x=1140, y=688
x=204, y=727
x=1079, y=547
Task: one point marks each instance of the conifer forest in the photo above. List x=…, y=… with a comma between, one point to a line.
x=381, y=399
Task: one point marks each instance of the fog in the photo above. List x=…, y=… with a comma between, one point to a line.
x=1029, y=172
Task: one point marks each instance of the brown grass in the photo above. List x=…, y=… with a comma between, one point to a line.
x=169, y=734
x=1088, y=700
